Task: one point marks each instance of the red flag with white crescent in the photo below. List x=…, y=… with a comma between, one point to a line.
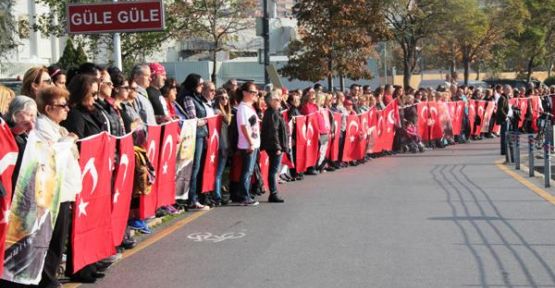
x=8, y=158
x=264, y=163
x=480, y=111
x=123, y=187
x=391, y=114
x=488, y=113
x=380, y=119
x=436, y=130
x=536, y=110
x=211, y=159
x=351, y=149
x=167, y=164
x=423, y=118
x=471, y=115
x=312, y=137
x=92, y=223
x=363, y=134
x=523, y=105
x=334, y=154
x=147, y=203
x=453, y=117
x=458, y=118
x=300, y=142
x=372, y=131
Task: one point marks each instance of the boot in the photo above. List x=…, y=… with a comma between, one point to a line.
x=274, y=198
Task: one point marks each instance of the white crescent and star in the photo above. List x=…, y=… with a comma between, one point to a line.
x=215, y=136
x=351, y=124
x=309, y=134
x=151, y=153
x=90, y=168
x=124, y=161
x=82, y=207
x=8, y=160
x=167, y=142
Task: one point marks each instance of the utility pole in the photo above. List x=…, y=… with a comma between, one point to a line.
x=266, y=35
x=117, y=49
x=385, y=62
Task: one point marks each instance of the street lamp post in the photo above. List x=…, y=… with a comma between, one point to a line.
x=266, y=35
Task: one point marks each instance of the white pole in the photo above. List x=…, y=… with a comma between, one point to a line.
x=117, y=49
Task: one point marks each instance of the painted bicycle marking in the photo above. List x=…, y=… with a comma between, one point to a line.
x=209, y=237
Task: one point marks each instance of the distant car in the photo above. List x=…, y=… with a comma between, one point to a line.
x=515, y=83
x=435, y=84
x=13, y=84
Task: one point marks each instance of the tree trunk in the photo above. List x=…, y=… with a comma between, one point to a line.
x=530, y=67
x=214, y=66
x=466, y=62
x=342, y=82
x=330, y=75
x=406, y=73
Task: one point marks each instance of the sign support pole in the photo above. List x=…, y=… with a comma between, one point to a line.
x=117, y=49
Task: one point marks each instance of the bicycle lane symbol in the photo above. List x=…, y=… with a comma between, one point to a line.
x=209, y=237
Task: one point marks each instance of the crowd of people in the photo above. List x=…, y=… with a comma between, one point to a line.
x=59, y=105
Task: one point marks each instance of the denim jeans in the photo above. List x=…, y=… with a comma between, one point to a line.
x=195, y=176
x=222, y=159
x=249, y=160
x=324, y=142
x=275, y=161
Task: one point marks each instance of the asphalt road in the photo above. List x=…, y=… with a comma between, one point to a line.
x=445, y=218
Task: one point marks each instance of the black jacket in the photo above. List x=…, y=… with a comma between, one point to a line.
x=502, y=109
x=274, y=132
x=154, y=98
x=84, y=123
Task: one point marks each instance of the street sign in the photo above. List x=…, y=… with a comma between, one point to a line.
x=115, y=17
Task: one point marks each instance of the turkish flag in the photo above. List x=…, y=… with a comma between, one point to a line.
x=436, y=130
x=391, y=115
x=372, y=131
x=490, y=106
x=312, y=137
x=264, y=163
x=523, y=105
x=471, y=115
x=363, y=133
x=300, y=128
x=423, y=118
x=165, y=175
x=334, y=147
x=147, y=203
x=380, y=128
x=123, y=187
x=8, y=157
x=211, y=159
x=458, y=118
x=452, y=115
x=536, y=110
x=92, y=238
x=480, y=111
x=351, y=148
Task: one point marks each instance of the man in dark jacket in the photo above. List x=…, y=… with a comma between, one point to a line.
x=273, y=140
x=502, y=115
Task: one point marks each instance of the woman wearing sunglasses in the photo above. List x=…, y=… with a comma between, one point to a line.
x=34, y=80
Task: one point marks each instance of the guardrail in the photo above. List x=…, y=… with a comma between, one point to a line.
x=538, y=147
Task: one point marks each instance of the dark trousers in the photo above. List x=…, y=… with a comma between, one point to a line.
x=57, y=243
x=503, y=136
x=275, y=161
x=196, y=174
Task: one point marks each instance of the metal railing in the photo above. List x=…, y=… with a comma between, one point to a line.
x=537, y=148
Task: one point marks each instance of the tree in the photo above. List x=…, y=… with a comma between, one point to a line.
x=410, y=22
x=220, y=21
x=7, y=29
x=72, y=57
x=336, y=39
x=134, y=45
x=474, y=27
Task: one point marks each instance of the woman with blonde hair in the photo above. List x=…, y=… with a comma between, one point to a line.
x=6, y=96
x=34, y=80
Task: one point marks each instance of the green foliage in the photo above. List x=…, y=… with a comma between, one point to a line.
x=7, y=29
x=549, y=81
x=72, y=57
x=327, y=47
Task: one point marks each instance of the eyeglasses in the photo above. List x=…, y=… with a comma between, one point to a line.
x=95, y=93
x=65, y=106
x=108, y=83
x=253, y=92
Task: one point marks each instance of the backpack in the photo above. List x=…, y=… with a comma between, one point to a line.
x=144, y=173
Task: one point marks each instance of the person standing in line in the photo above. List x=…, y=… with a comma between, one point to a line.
x=274, y=140
x=158, y=78
x=140, y=74
x=249, y=139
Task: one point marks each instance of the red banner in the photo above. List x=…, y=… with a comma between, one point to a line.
x=147, y=203
x=364, y=129
x=380, y=119
x=334, y=154
x=471, y=115
x=372, y=131
x=167, y=164
x=423, y=117
x=488, y=113
x=436, y=131
x=300, y=128
x=312, y=137
x=8, y=157
x=391, y=114
x=523, y=105
x=123, y=187
x=211, y=159
x=458, y=118
x=92, y=226
x=480, y=111
x=536, y=110
x=264, y=163
x=350, y=149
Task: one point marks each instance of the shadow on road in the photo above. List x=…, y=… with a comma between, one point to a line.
x=458, y=186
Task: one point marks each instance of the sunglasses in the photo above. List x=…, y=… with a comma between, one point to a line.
x=65, y=106
x=252, y=92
